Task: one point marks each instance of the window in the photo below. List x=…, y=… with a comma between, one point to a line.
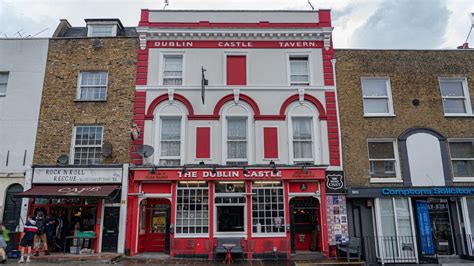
x=230, y=207
x=299, y=70
x=173, y=70
x=268, y=211
x=236, y=140
x=3, y=83
x=377, y=96
x=383, y=159
x=455, y=96
x=192, y=208
x=88, y=144
x=101, y=31
x=302, y=139
x=170, y=142
x=462, y=158
x=395, y=229
x=92, y=86
x=142, y=216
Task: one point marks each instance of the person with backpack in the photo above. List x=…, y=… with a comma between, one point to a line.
x=4, y=238
x=41, y=234
x=30, y=229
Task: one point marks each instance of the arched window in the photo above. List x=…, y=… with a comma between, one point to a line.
x=11, y=212
x=169, y=131
x=304, y=132
x=237, y=128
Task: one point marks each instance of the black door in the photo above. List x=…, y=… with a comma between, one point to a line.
x=11, y=213
x=110, y=229
x=292, y=228
x=167, y=230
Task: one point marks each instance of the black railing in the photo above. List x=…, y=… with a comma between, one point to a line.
x=389, y=249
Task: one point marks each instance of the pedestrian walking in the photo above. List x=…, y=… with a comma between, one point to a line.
x=4, y=238
x=30, y=230
x=41, y=234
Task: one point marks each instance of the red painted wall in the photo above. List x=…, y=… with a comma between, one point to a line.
x=270, y=142
x=236, y=70
x=203, y=142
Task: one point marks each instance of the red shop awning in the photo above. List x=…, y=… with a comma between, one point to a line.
x=98, y=191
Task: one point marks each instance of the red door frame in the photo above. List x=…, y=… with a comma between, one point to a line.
x=152, y=242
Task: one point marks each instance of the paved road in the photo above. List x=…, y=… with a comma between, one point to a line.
x=131, y=262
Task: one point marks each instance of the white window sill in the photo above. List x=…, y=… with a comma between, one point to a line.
x=191, y=235
x=256, y=235
x=82, y=100
x=386, y=180
x=463, y=179
x=458, y=115
x=379, y=115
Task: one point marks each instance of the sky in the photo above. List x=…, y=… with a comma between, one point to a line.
x=381, y=24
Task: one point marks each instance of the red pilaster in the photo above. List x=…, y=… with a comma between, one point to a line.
x=173, y=215
x=211, y=217
x=286, y=188
x=248, y=185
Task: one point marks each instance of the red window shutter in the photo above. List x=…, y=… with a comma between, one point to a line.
x=270, y=142
x=203, y=142
x=236, y=70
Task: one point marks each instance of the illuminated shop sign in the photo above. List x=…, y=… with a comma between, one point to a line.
x=208, y=174
x=436, y=191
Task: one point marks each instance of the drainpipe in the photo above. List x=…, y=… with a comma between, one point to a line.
x=333, y=62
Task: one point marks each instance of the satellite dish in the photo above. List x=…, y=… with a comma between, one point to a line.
x=145, y=151
x=63, y=159
x=106, y=150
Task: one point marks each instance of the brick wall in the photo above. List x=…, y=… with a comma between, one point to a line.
x=413, y=75
x=59, y=112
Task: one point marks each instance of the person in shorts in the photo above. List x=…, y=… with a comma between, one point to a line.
x=30, y=229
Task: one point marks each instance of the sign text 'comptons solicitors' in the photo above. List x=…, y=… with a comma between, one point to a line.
x=167, y=174
x=237, y=44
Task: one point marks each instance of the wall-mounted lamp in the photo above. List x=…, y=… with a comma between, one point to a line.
x=152, y=171
x=184, y=171
x=305, y=169
x=245, y=170
x=214, y=170
x=275, y=170
x=201, y=163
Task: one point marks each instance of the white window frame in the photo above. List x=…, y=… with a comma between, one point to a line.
x=285, y=218
x=90, y=27
x=8, y=78
x=178, y=158
x=397, y=178
x=389, y=98
x=73, y=142
x=193, y=235
x=224, y=72
x=378, y=226
x=158, y=115
x=316, y=134
x=463, y=178
x=235, y=195
x=250, y=136
x=306, y=54
x=164, y=54
x=80, y=86
x=467, y=97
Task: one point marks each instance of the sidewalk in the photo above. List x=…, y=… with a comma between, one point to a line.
x=105, y=258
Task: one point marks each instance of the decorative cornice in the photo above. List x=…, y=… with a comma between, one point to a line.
x=237, y=34
x=142, y=39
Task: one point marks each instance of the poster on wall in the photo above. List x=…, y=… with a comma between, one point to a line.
x=424, y=225
x=335, y=182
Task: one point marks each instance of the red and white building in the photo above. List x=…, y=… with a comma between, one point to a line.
x=248, y=165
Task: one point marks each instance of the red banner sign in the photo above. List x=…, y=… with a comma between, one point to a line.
x=206, y=174
x=235, y=44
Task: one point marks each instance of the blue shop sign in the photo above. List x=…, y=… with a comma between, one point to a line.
x=436, y=191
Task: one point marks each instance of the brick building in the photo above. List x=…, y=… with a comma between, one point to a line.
x=83, y=138
x=407, y=128
x=243, y=161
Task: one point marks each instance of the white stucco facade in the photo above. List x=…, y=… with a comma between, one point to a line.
x=24, y=61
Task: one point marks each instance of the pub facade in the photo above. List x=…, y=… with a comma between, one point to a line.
x=235, y=131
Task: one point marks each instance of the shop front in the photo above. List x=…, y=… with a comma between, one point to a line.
x=80, y=207
x=418, y=224
x=193, y=212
